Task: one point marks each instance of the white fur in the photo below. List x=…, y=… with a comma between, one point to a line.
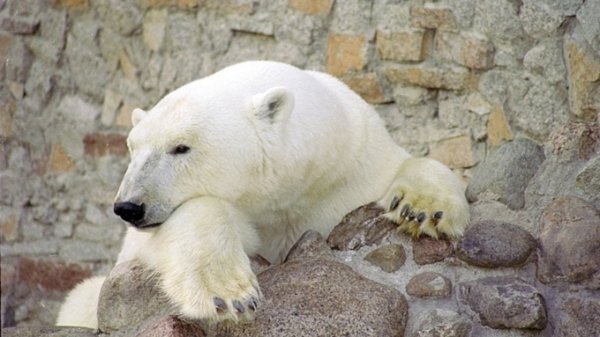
x=274, y=151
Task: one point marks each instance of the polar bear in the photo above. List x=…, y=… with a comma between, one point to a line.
x=243, y=162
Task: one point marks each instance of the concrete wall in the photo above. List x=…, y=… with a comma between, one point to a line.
x=453, y=79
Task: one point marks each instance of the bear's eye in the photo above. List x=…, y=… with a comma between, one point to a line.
x=180, y=149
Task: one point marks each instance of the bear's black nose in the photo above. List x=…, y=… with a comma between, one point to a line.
x=129, y=211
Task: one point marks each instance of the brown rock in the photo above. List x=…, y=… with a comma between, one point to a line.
x=428, y=76
x=429, y=285
x=310, y=245
x=455, y=152
x=100, y=144
x=503, y=303
x=361, y=227
x=171, y=326
x=312, y=7
x=322, y=297
x=433, y=18
x=259, y=264
x=71, y=4
x=498, y=129
x=51, y=275
x=18, y=25
x=583, y=67
x=59, y=160
x=469, y=50
x=367, y=86
x=427, y=250
x=443, y=323
x=569, y=242
x=495, y=244
x=9, y=226
x=388, y=257
x=400, y=46
x=575, y=141
x=345, y=54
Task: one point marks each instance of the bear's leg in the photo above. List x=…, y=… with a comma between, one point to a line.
x=201, y=255
x=427, y=198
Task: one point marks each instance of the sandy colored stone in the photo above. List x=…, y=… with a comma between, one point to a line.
x=455, y=152
x=467, y=49
x=429, y=285
x=100, y=144
x=8, y=226
x=153, y=33
x=367, y=86
x=112, y=101
x=433, y=18
x=584, y=79
x=428, y=76
x=427, y=250
x=71, y=4
x=59, y=160
x=345, y=54
x=400, y=45
x=7, y=109
x=312, y=7
x=124, y=115
x=387, y=257
x=498, y=129
x=127, y=66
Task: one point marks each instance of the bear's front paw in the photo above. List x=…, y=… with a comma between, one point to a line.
x=222, y=294
x=427, y=198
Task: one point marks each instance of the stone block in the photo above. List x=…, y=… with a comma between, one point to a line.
x=312, y=7
x=20, y=25
x=503, y=303
x=51, y=274
x=60, y=161
x=361, y=227
x=428, y=76
x=494, y=244
x=9, y=221
x=71, y=4
x=430, y=17
x=546, y=59
x=498, y=129
x=539, y=20
x=429, y=285
x=127, y=67
x=400, y=45
x=569, y=242
x=455, y=152
x=367, y=86
x=101, y=144
x=112, y=102
x=81, y=61
x=155, y=22
x=583, y=67
x=7, y=110
x=506, y=172
x=345, y=54
x=427, y=250
x=124, y=116
x=388, y=257
x=467, y=49
x=588, y=179
x=587, y=14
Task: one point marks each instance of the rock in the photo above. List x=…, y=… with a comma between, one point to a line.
x=443, y=323
x=310, y=245
x=588, y=179
x=579, y=316
x=259, y=264
x=456, y=152
x=506, y=172
x=388, y=257
x=583, y=66
x=575, y=141
x=361, y=227
x=429, y=285
x=345, y=53
x=321, y=297
x=427, y=250
x=569, y=241
x=503, y=303
x=428, y=76
x=493, y=244
x=171, y=326
x=33, y=331
x=128, y=297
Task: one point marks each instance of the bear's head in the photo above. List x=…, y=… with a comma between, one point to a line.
x=199, y=141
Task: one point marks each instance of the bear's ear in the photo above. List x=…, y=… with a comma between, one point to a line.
x=274, y=105
x=137, y=115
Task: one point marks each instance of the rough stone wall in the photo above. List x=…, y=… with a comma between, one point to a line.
x=453, y=79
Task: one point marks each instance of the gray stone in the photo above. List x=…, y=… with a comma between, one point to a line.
x=38, y=247
x=155, y=23
x=427, y=250
x=579, y=316
x=351, y=16
x=387, y=257
x=18, y=61
x=183, y=32
x=76, y=250
x=20, y=25
x=362, y=227
x=588, y=179
x=36, y=331
x=443, y=323
x=569, y=242
x=546, y=59
x=539, y=20
x=506, y=172
x=590, y=25
x=128, y=297
x=171, y=326
x=124, y=16
x=80, y=61
x=310, y=245
x=321, y=297
x=503, y=303
x=498, y=19
x=493, y=244
x=429, y=285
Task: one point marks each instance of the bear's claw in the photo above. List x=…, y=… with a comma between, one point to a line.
x=220, y=304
